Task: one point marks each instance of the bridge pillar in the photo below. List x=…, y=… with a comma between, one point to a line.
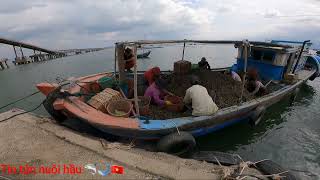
x=21, y=52
x=6, y=62
x=15, y=52
x=1, y=66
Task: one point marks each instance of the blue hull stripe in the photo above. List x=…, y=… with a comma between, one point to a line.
x=205, y=131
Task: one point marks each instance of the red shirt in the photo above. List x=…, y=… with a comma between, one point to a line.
x=148, y=75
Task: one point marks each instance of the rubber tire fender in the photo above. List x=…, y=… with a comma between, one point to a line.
x=183, y=139
x=313, y=76
x=223, y=158
x=269, y=167
x=257, y=115
x=48, y=104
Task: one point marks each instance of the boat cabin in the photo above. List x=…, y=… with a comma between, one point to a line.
x=272, y=61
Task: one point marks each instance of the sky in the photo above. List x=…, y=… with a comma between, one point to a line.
x=65, y=24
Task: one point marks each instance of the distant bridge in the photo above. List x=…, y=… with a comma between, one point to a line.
x=36, y=57
x=25, y=45
x=80, y=51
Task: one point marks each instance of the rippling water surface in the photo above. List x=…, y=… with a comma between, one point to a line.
x=288, y=134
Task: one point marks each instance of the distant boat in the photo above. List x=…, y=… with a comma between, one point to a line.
x=143, y=55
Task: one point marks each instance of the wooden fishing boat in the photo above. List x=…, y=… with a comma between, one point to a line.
x=144, y=55
x=286, y=66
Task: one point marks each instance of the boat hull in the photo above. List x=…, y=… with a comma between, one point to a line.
x=74, y=108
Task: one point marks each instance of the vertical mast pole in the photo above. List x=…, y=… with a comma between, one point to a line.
x=245, y=46
x=299, y=57
x=136, y=83
x=115, y=59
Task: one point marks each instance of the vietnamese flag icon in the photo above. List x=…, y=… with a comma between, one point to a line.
x=117, y=169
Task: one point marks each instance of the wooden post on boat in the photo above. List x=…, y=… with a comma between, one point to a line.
x=136, y=82
x=121, y=63
x=245, y=46
x=115, y=59
x=299, y=57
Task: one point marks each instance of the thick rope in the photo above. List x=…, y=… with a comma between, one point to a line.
x=23, y=112
x=23, y=98
x=175, y=126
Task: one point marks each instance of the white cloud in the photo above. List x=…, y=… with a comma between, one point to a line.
x=63, y=24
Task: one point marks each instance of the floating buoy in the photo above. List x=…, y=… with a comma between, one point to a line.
x=313, y=76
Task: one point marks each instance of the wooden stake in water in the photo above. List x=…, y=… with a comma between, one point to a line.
x=184, y=46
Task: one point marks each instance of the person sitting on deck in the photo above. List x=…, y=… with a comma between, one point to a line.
x=151, y=75
x=235, y=76
x=203, y=64
x=254, y=86
x=157, y=91
x=197, y=95
x=129, y=58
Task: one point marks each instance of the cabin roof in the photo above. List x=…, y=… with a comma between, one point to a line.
x=277, y=49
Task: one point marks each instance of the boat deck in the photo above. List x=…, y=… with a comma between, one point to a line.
x=303, y=74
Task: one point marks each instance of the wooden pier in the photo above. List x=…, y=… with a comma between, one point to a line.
x=39, y=54
x=22, y=59
x=71, y=52
x=37, y=58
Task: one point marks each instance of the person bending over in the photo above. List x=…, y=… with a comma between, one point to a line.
x=253, y=85
x=197, y=95
x=235, y=76
x=151, y=74
x=157, y=91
